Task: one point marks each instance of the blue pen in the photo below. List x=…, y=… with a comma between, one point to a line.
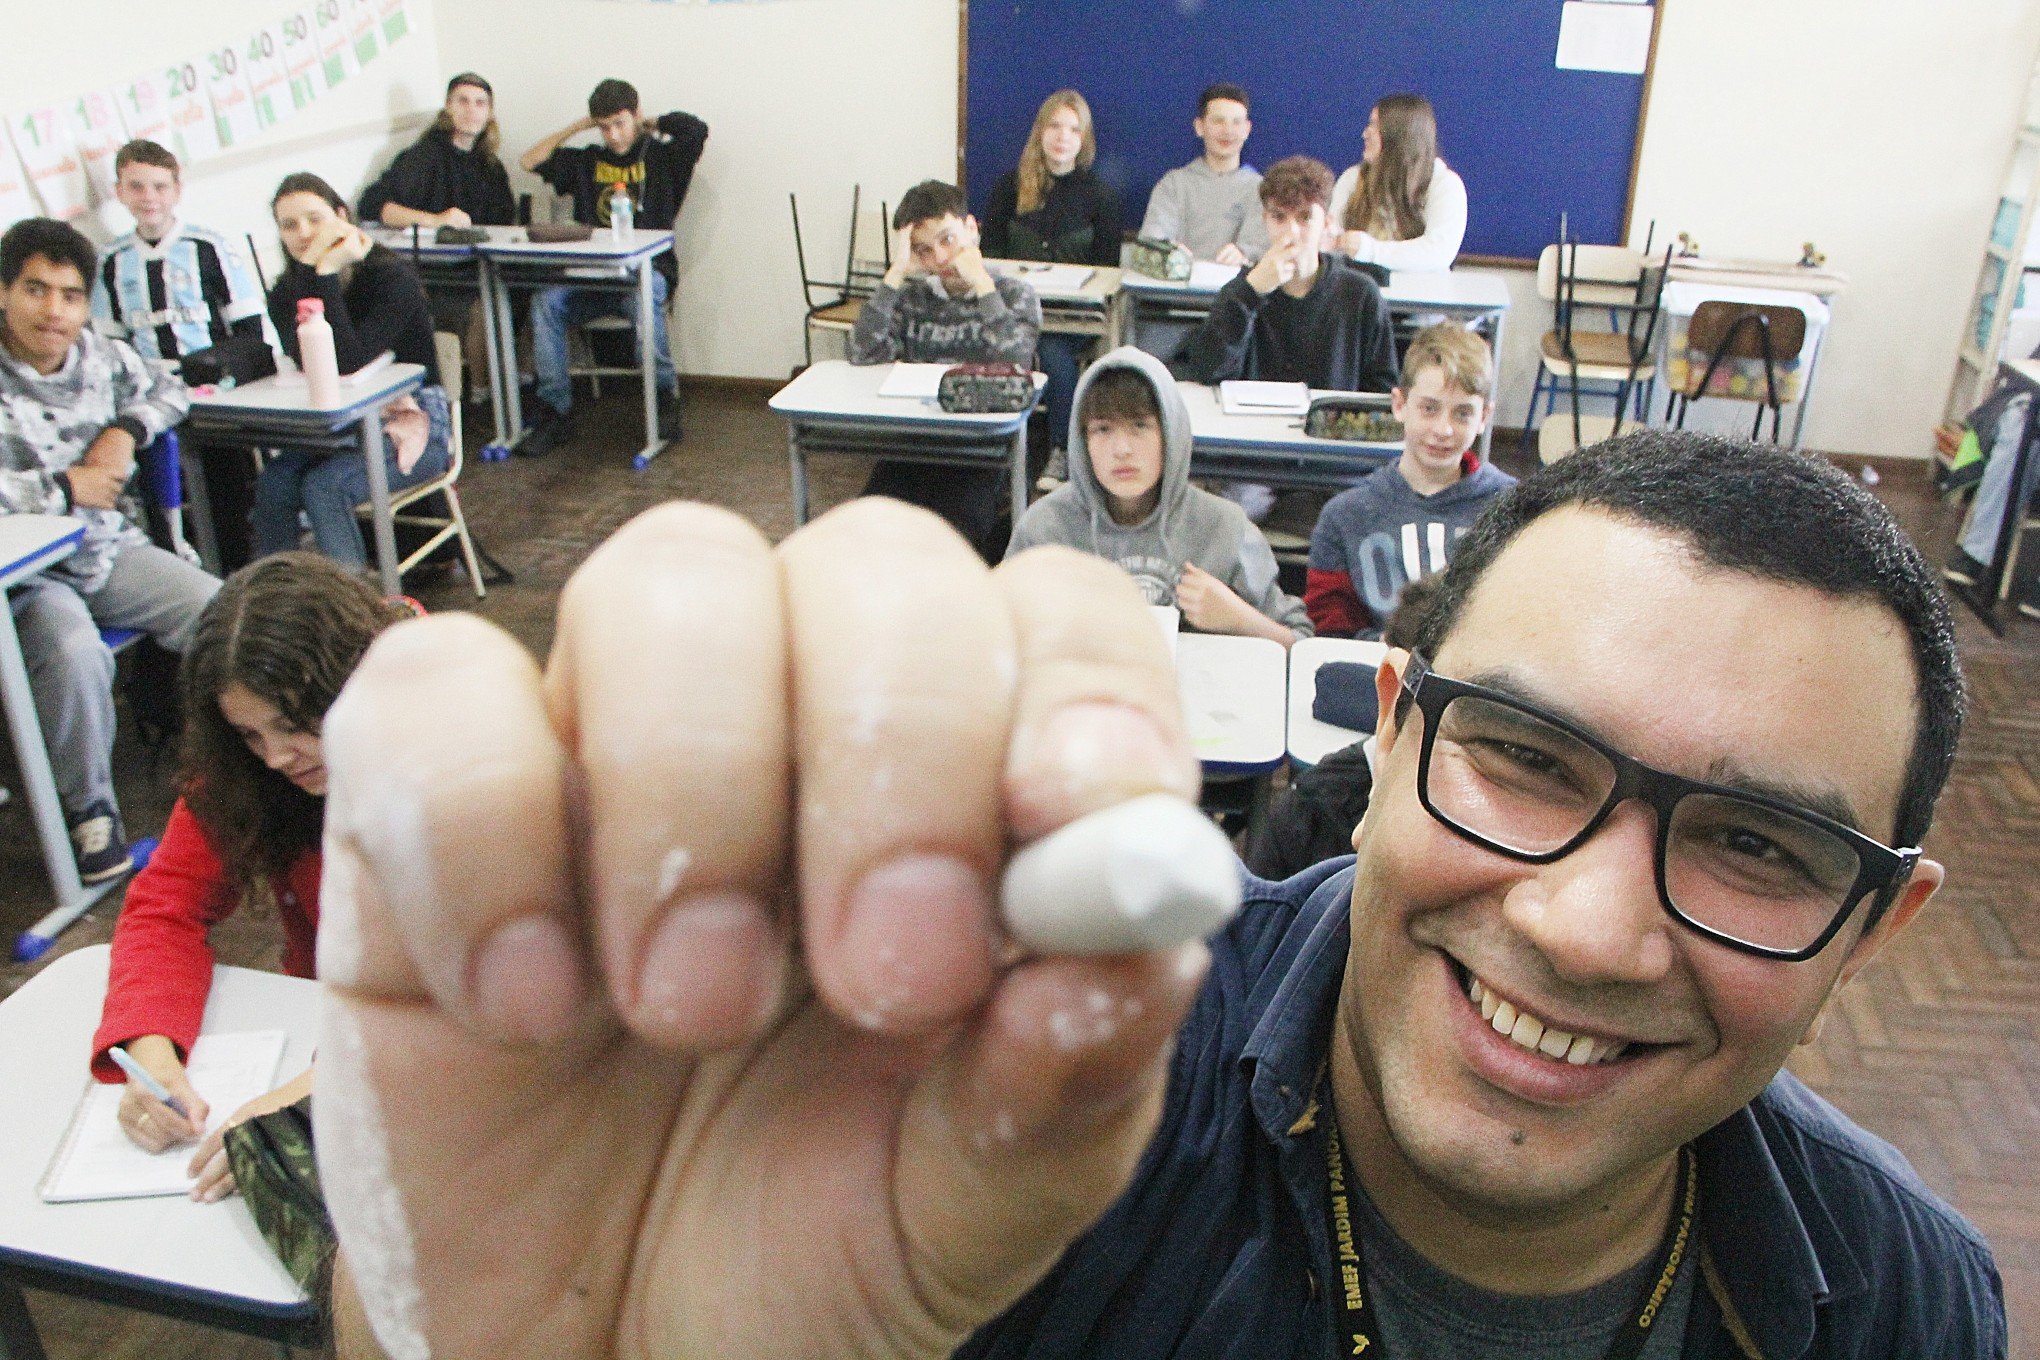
x=136, y=1072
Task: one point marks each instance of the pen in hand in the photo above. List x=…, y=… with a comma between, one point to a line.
x=140, y=1075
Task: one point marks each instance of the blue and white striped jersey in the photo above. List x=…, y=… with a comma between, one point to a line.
x=183, y=293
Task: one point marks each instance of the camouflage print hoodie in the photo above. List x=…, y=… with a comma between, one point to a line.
x=47, y=423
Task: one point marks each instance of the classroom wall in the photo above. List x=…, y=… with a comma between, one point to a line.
x=56, y=51
x=804, y=96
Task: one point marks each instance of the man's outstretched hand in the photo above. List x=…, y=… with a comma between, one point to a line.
x=668, y=1011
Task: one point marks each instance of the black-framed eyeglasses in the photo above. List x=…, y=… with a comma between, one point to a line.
x=1752, y=872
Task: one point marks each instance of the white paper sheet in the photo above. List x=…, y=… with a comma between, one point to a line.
x=922, y=382
x=1207, y=277
x=1594, y=35
x=1054, y=278
x=98, y=1161
x=1239, y=398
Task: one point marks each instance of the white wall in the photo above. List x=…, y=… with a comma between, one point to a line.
x=55, y=51
x=804, y=96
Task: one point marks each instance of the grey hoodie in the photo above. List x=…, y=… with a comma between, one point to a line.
x=1187, y=524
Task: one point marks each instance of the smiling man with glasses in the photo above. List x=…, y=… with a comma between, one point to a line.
x=1507, y=1083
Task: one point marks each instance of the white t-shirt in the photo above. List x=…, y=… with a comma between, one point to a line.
x=1444, y=224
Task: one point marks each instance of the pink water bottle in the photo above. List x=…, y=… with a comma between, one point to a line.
x=315, y=353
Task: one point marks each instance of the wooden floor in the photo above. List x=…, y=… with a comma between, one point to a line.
x=1936, y=1047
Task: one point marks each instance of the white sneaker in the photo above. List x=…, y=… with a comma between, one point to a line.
x=1056, y=473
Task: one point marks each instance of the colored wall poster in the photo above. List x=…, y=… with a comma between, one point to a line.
x=191, y=117
x=42, y=138
x=227, y=86
x=301, y=57
x=361, y=29
x=395, y=21
x=17, y=200
x=97, y=133
x=336, y=53
x=145, y=108
x=268, y=82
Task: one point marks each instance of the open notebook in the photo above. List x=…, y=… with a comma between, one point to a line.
x=96, y=1160
x=1238, y=398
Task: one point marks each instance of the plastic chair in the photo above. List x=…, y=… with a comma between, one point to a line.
x=1722, y=331
x=453, y=524
x=1620, y=361
x=162, y=481
x=840, y=301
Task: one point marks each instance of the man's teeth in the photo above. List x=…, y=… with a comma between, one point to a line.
x=1527, y=1031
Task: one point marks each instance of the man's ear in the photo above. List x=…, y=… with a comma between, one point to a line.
x=1397, y=400
x=1926, y=880
x=1387, y=690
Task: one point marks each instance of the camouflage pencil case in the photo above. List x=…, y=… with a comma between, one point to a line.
x=971, y=389
x=276, y=1173
x=1159, y=259
x=1362, y=418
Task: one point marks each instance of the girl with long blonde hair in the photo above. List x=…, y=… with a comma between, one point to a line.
x=1401, y=207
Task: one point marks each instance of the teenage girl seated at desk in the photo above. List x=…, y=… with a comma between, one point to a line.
x=272, y=650
x=1401, y=207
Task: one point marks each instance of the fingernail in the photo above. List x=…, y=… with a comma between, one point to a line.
x=916, y=949
x=1092, y=754
x=711, y=973
x=527, y=982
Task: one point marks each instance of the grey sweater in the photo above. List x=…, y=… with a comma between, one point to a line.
x=922, y=324
x=1187, y=524
x=47, y=423
x=1204, y=210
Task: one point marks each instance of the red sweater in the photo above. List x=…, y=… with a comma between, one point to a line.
x=162, y=961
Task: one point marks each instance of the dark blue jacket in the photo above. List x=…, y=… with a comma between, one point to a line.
x=1820, y=1240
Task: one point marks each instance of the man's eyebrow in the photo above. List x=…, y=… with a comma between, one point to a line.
x=1826, y=800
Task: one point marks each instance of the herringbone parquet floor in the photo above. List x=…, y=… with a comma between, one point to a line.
x=1936, y=1047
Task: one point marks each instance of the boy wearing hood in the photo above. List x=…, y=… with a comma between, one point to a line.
x=1400, y=523
x=1129, y=500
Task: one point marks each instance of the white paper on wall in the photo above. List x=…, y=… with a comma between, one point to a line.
x=191, y=116
x=298, y=36
x=226, y=85
x=97, y=132
x=336, y=54
x=42, y=138
x=145, y=108
x=17, y=200
x=268, y=82
x=360, y=17
x=394, y=20
x=1595, y=35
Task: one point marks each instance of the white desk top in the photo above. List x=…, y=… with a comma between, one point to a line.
x=840, y=390
x=1442, y=290
x=1310, y=740
x=431, y=250
x=28, y=543
x=597, y=249
x=166, y=1245
x=1211, y=426
x=1233, y=689
x=1684, y=298
x=1758, y=274
x=1096, y=291
x=287, y=396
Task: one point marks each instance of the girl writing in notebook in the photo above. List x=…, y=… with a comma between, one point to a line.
x=271, y=652
x=1401, y=207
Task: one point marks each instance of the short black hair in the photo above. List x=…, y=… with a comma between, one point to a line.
x=928, y=201
x=1222, y=90
x=612, y=97
x=1765, y=512
x=57, y=242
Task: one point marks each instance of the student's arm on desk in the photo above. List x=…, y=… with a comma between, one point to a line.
x=209, y=1165
x=1012, y=317
x=1213, y=606
x=875, y=338
x=1218, y=351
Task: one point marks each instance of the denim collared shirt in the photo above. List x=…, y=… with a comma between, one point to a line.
x=1820, y=1240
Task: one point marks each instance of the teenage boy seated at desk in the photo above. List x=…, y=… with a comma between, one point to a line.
x=653, y=163
x=74, y=408
x=1621, y=858
x=174, y=289
x=938, y=304
x=1209, y=206
x=1300, y=314
x=1129, y=500
x=1399, y=524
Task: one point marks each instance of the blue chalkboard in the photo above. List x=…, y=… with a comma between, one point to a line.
x=1530, y=140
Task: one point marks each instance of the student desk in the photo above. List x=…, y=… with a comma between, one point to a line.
x=459, y=269
x=599, y=264
x=278, y=411
x=834, y=407
x=1310, y=741
x=1683, y=297
x=1096, y=307
x=30, y=544
x=1479, y=301
x=1233, y=690
x=202, y=1263
x=1272, y=448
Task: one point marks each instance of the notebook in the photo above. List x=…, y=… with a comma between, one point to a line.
x=920, y=381
x=95, y=1160
x=1055, y=278
x=1239, y=398
x=1207, y=277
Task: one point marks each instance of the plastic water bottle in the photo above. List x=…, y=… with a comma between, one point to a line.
x=621, y=211
x=315, y=353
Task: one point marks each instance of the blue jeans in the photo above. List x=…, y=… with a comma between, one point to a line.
x=326, y=487
x=1061, y=357
x=1995, y=496
x=555, y=310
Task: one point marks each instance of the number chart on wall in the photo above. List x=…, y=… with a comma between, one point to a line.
x=56, y=159
x=1531, y=133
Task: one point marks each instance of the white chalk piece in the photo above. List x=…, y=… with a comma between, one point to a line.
x=1147, y=874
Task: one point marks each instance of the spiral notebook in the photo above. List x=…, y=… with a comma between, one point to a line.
x=96, y=1160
